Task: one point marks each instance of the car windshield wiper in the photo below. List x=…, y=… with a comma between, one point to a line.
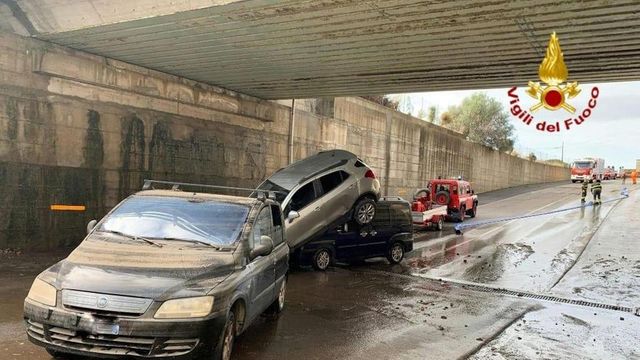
x=134, y=237
x=192, y=241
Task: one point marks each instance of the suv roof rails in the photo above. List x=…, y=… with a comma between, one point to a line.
x=175, y=186
x=316, y=173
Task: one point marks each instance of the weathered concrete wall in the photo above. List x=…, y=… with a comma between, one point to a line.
x=84, y=130
x=404, y=151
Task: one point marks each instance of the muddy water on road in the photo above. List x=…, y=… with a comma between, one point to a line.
x=528, y=254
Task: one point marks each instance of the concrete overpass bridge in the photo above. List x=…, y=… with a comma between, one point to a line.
x=295, y=49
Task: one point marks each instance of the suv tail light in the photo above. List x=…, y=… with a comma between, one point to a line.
x=369, y=174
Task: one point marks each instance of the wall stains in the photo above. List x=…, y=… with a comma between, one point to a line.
x=12, y=117
x=93, y=154
x=132, y=152
x=199, y=158
x=93, y=144
x=23, y=220
x=162, y=152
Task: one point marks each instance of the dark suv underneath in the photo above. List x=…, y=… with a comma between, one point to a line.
x=389, y=235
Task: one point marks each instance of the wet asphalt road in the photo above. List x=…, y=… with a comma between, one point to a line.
x=378, y=311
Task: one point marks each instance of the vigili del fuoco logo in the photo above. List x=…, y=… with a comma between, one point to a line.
x=553, y=93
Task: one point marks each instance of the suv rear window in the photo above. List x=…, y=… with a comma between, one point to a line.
x=401, y=214
x=332, y=180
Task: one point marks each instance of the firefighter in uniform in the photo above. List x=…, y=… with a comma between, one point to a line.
x=585, y=187
x=596, y=190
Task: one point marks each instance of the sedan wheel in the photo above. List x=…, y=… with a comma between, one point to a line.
x=396, y=253
x=322, y=259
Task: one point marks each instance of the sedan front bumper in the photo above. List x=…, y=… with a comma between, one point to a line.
x=89, y=334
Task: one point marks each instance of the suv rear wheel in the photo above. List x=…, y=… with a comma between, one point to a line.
x=364, y=211
x=322, y=259
x=396, y=253
x=473, y=211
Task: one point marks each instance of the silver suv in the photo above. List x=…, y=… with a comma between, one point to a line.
x=322, y=190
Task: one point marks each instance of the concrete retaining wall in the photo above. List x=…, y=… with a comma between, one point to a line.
x=84, y=130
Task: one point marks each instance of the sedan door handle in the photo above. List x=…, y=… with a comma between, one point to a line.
x=317, y=209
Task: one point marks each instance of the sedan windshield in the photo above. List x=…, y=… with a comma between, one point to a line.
x=175, y=218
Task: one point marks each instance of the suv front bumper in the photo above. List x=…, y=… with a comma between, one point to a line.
x=84, y=333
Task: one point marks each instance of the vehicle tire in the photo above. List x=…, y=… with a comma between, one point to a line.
x=395, y=253
x=418, y=193
x=364, y=211
x=442, y=198
x=322, y=259
x=278, y=304
x=440, y=224
x=573, y=181
x=224, y=346
x=473, y=211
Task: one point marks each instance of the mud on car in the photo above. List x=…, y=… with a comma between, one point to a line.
x=324, y=190
x=166, y=273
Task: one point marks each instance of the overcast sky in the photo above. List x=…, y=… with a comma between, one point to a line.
x=611, y=132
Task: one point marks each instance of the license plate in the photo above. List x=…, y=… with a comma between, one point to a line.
x=108, y=329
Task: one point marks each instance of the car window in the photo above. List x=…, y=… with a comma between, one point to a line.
x=400, y=213
x=303, y=197
x=262, y=226
x=277, y=225
x=331, y=181
x=383, y=215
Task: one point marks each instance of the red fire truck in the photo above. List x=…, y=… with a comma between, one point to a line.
x=587, y=169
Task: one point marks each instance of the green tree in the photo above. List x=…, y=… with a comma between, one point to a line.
x=482, y=119
x=422, y=114
x=383, y=100
x=432, y=114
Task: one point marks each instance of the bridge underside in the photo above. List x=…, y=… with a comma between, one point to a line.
x=294, y=49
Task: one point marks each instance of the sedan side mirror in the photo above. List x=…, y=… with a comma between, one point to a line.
x=292, y=215
x=264, y=248
x=91, y=225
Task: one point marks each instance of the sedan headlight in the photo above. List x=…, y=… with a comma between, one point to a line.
x=185, y=308
x=42, y=292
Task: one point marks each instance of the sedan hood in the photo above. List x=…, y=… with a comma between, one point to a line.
x=141, y=270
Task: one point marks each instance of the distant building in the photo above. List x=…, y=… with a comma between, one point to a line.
x=638, y=165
